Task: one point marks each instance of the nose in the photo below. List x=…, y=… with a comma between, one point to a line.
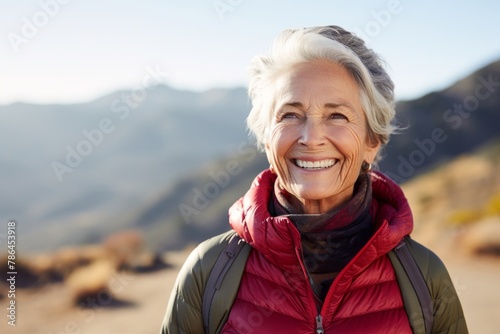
x=313, y=134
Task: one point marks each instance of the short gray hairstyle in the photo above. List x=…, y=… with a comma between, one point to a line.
x=331, y=43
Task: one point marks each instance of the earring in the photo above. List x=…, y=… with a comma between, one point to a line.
x=271, y=168
x=366, y=166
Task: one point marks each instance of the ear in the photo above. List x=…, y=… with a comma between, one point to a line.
x=371, y=151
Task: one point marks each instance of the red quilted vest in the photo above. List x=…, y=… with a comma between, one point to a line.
x=275, y=295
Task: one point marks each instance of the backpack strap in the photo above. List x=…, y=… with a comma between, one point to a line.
x=223, y=284
x=416, y=296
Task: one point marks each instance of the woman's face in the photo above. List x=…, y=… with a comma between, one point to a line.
x=318, y=138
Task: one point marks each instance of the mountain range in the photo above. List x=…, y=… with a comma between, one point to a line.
x=171, y=163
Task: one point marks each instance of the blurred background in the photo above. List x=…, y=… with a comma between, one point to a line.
x=123, y=143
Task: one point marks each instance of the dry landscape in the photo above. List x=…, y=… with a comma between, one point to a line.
x=117, y=287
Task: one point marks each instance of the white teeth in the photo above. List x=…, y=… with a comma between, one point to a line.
x=316, y=164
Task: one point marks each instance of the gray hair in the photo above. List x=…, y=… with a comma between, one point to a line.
x=331, y=43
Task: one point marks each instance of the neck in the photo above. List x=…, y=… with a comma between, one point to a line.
x=315, y=206
x=357, y=201
x=297, y=205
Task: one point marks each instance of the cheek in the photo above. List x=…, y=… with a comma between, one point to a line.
x=346, y=142
x=279, y=141
x=349, y=141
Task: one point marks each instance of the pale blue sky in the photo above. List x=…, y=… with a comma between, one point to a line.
x=85, y=49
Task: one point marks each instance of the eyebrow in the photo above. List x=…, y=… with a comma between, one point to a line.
x=329, y=105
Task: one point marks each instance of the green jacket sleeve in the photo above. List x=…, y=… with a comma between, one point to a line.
x=184, y=313
x=448, y=314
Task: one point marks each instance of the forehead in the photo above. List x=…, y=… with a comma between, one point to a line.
x=319, y=80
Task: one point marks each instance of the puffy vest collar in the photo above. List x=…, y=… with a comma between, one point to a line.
x=278, y=240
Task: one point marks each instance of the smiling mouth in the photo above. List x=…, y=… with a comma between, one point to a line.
x=314, y=165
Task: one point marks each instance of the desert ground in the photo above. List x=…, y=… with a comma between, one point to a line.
x=140, y=301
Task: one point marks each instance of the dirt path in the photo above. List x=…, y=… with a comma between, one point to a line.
x=139, y=307
x=477, y=284
x=141, y=303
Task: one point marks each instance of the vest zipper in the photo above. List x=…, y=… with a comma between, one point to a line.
x=319, y=318
x=319, y=324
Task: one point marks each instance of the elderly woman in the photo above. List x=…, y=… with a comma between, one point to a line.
x=320, y=223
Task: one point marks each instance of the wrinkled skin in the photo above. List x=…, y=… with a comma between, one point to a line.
x=318, y=118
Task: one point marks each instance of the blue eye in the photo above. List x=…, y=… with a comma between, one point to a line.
x=337, y=115
x=290, y=115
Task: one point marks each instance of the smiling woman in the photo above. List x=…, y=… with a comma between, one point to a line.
x=322, y=227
